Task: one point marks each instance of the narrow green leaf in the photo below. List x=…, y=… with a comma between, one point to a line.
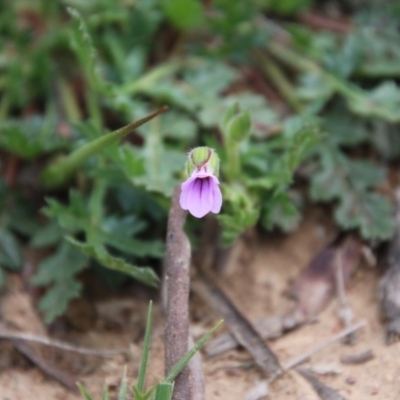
x=123, y=388
x=99, y=253
x=146, y=347
x=137, y=395
x=58, y=173
x=164, y=391
x=186, y=358
x=84, y=392
x=104, y=394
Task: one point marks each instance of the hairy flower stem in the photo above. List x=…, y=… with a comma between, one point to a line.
x=177, y=282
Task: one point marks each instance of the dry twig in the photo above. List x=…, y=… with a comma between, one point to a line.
x=359, y=358
x=239, y=326
x=324, y=392
x=390, y=284
x=66, y=379
x=29, y=337
x=301, y=358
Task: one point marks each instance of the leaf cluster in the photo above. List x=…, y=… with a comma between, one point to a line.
x=74, y=72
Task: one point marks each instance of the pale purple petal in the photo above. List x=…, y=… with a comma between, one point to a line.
x=201, y=194
x=217, y=198
x=186, y=188
x=200, y=198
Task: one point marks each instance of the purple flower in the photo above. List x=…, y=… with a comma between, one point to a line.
x=201, y=193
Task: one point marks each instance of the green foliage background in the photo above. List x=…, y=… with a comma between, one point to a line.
x=72, y=70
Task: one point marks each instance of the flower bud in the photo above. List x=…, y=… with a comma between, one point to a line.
x=202, y=158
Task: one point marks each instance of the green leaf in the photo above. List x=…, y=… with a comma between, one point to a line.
x=60, y=266
x=184, y=14
x=57, y=297
x=30, y=137
x=10, y=251
x=47, y=236
x=142, y=274
x=2, y=278
x=280, y=211
x=371, y=213
x=351, y=183
x=58, y=173
x=239, y=127
x=382, y=102
x=164, y=391
x=59, y=271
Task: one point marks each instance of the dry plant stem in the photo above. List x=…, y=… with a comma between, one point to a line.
x=324, y=392
x=4, y=334
x=345, y=312
x=359, y=358
x=260, y=390
x=301, y=358
x=67, y=380
x=240, y=327
x=390, y=283
x=177, y=281
x=269, y=328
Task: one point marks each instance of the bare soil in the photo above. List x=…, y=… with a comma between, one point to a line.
x=255, y=280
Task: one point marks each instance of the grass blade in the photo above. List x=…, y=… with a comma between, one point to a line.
x=123, y=388
x=84, y=392
x=146, y=347
x=164, y=391
x=186, y=358
x=104, y=394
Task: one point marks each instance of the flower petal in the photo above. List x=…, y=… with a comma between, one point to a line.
x=186, y=187
x=200, y=198
x=217, y=198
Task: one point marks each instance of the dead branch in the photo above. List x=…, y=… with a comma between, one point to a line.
x=359, y=358
x=312, y=291
x=307, y=354
x=390, y=284
x=344, y=310
x=29, y=337
x=239, y=326
x=67, y=380
x=324, y=392
x=269, y=328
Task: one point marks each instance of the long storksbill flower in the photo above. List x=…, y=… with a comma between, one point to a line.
x=200, y=192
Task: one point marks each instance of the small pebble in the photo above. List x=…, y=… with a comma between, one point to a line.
x=350, y=380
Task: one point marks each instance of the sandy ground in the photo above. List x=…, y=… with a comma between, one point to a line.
x=256, y=287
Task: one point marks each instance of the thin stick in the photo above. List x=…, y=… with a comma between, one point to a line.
x=324, y=392
x=239, y=326
x=299, y=359
x=29, y=337
x=67, y=380
x=345, y=313
x=177, y=281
